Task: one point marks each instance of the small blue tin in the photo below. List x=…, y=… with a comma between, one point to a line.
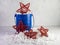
x=26, y=19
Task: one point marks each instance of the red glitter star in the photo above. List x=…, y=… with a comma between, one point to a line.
x=43, y=31
x=23, y=8
x=21, y=27
x=31, y=34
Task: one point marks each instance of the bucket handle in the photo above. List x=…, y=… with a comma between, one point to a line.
x=33, y=21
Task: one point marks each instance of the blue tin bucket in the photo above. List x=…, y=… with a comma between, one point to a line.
x=26, y=19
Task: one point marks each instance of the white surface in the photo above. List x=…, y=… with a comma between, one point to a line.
x=46, y=12
x=7, y=37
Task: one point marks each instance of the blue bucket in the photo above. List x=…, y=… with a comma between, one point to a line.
x=26, y=19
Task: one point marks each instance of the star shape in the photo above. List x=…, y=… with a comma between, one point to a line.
x=43, y=31
x=23, y=8
x=31, y=34
x=21, y=27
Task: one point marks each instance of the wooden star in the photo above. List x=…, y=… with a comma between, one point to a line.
x=23, y=8
x=21, y=27
x=43, y=31
x=31, y=34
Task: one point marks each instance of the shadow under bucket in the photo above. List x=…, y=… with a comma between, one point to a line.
x=25, y=18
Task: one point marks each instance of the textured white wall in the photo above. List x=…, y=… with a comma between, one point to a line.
x=46, y=12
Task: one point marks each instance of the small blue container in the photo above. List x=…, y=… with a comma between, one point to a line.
x=26, y=19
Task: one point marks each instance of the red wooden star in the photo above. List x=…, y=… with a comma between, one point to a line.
x=31, y=34
x=43, y=31
x=21, y=27
x=23, y=8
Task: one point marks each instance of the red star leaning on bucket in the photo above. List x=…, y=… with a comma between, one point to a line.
x=43, y=31
x=31, y=34
x=21, y=27
x=23, y=8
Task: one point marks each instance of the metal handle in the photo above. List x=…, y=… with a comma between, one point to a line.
x=32, y=21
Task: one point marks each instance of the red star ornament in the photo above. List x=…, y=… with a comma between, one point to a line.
x=31, y=34
x=43, y=31
x=21, y=27
x=23, y=8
